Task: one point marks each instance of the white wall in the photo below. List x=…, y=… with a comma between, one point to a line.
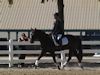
x=82, y=14
x=24, y=14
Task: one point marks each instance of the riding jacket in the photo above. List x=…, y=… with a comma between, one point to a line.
x=58, y=28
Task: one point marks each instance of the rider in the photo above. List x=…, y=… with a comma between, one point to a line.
x=58, y=30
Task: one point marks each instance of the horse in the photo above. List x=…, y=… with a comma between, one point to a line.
x=47, y=44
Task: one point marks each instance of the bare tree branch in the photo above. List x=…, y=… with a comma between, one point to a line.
x=10, y=2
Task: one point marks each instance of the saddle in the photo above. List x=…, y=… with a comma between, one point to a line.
x=64, y=40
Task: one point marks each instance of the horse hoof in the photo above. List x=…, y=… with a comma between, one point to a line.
x=32, y=66
x=82, y=67
x=36, y=67
x=19, y=66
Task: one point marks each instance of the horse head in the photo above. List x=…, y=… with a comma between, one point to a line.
x=36, y=34
x=33, y=35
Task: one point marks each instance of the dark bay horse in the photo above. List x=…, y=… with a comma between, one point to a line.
x=48, y=45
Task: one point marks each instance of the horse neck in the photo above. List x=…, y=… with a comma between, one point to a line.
x=45, y=40
x=42, y=37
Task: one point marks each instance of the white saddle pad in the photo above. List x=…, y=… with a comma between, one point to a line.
x=64, y=41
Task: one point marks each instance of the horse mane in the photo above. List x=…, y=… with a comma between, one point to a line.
x=41, y=32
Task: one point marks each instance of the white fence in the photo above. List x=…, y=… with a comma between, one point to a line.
x=11, y=51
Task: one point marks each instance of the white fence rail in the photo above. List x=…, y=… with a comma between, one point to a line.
x=11, y=51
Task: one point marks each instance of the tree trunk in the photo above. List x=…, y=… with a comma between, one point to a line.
x=61, y=10
x=10, y=2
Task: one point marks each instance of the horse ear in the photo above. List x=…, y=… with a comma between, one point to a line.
x=35, y=28
x=31, y=28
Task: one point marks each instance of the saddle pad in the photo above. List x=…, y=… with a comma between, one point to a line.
x=64, y=41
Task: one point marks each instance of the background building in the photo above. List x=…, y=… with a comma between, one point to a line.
x=24, y=14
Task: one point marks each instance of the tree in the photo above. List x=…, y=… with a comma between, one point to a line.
x=60, y=4
x=10, y=2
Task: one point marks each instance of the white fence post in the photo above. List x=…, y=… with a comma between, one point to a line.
x=10, y=53
x=63, y=58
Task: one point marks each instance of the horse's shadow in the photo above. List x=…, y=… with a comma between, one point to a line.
x=86, y=65
x=91, y=64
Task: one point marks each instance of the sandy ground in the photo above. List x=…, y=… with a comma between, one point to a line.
x=91, y=67
x=47, y=72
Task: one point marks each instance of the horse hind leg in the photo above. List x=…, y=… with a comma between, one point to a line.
x=79, y=60
x=79, y=57
x=80, y=54
x=70, y=55
x=54, y=59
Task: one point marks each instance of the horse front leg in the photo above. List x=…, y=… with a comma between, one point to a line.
x=54, y=59
x=40, y=56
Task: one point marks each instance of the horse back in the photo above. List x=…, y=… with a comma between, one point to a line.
x=74, y=40
x=72, y=37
